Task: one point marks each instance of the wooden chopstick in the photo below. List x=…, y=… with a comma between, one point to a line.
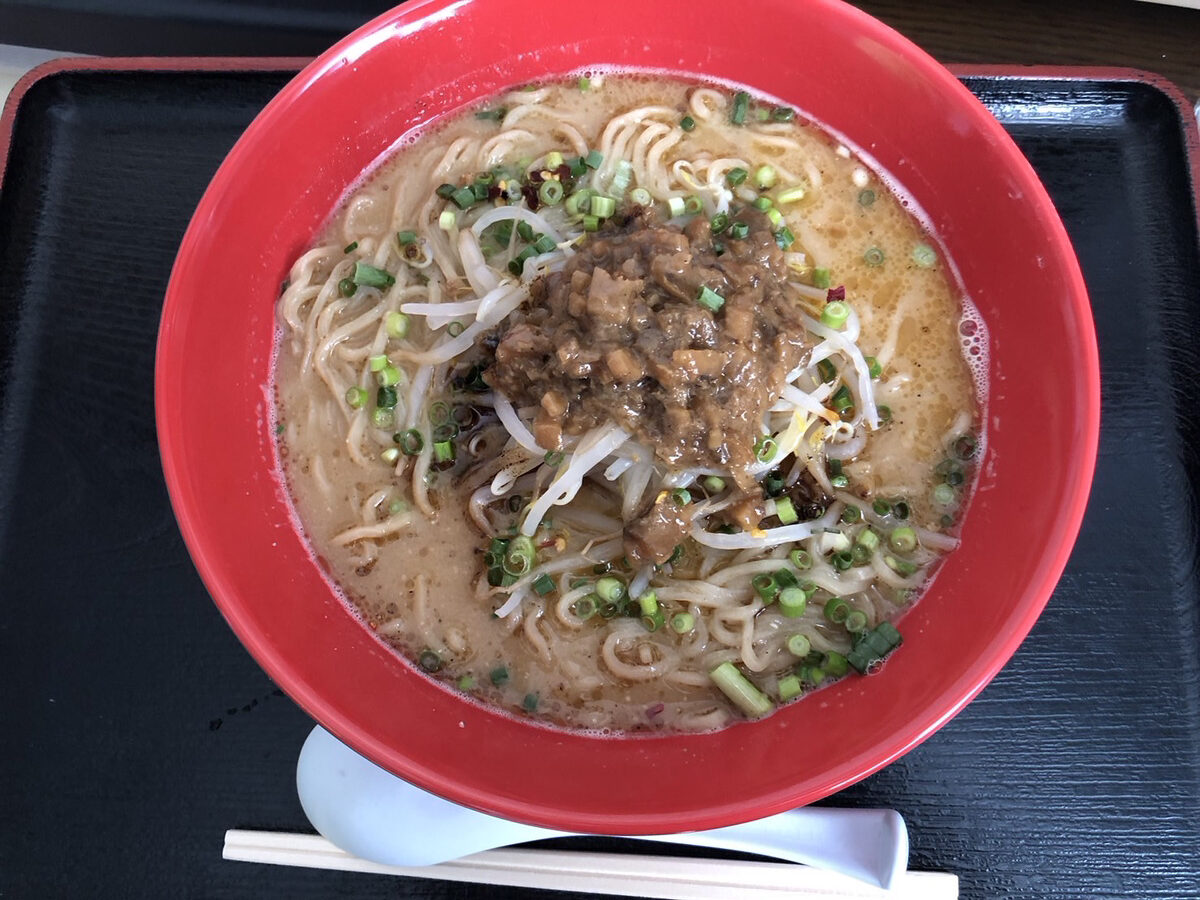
x=621, y=874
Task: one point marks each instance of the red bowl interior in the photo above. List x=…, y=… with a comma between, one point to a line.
x=286, y=175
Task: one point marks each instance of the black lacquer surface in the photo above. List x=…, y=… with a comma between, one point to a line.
x=136, y=729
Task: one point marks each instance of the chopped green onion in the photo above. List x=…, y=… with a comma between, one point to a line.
x=369, y=276
x=603, y=207
x=784, y=237
x=885, y=413
x=676, y=554
x=786, y=511
x=443, y=451
x=466, y=683
x=799, y=645
x=518, y=558
x=843, y=560
x=943, y=495
x=640, y=197
x=903, y=540
x=835, y=314
x=739, y=689
x=710, y=299
x=835, y=664
x=554, y=458
x=463, y=198
x=430, y=660
x=783, y=114
x=525, y=231
x=821, y=278
x=386, y=397
x=390, y=456
x=856, y=621
x=578, y=166
x=836, y=610
x=610, y=590
x=866, y=197
x=873, y=257
x=765, y=586
x=551, y=192
x=860, y=554
x=827, y=370
x=793, y=601
x=378, y=363
x=585, y=607
x=491, y=115
x=676, y=206
x=396, y=324
x=447, y=220
x=785, y=579
x=543, y=585
x=357, y=397
x=900, y=566
x=530, y=703
x=775, y=216
x=439, y=412
x=585, y=83
x=739, y=231
x=517, y=264
x=593, y=159
x=714, y=484
x=881, y=507
x=404, y=238
x=347, y=287
x=687, y=123
x=765, y=448
x=851, y=514
x=382, y=417
x=621, y=178
x=648, y=603
x=789, y=687
x=498, y=676
x=791, y=195
x=682, y=623
x=900, y=509
x=445, y=190
x=924, y=256
x=591, y=223
x=874, y=369
x=351, y=247
x=387, y=376
x=764, y=177
x=800, y=559
x=693, y=205
x=741, y=103
x=868, y=538
x=411, y=441
x=762, y=203
x=455, y=328
x=681, y=496
x=554, y=159
x=839, y=481
x=736, y=176
x=842, y=399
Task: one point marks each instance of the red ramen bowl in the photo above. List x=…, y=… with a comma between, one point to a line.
x=865, y=83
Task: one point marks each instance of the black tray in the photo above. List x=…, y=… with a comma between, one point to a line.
x=136, y=729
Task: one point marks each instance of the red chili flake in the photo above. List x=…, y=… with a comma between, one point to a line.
x=837, y=293
x=653, y=712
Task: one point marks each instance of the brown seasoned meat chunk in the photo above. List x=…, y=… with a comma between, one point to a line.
x=618, y=335
x=654, y=535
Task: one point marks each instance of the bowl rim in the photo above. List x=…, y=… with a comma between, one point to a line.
x=951, y=699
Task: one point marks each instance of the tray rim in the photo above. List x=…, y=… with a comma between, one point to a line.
x=1189, y=116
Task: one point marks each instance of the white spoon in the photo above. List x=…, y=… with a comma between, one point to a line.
x=374, y=815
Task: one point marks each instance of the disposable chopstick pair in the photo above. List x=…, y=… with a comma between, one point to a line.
x=619, y=874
